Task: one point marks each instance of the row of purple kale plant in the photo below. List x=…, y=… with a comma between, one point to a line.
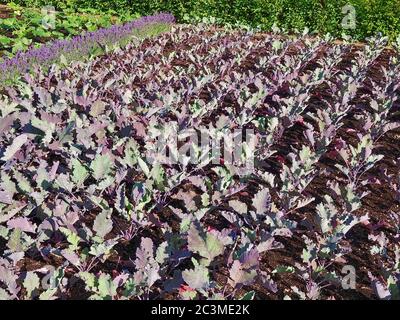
x=81, y=45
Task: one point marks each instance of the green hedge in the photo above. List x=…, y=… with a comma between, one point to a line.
x=318, y=15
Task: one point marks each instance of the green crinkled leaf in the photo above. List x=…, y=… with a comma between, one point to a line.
x=101, y=166
x=103, y=223
x=131, y=153
x=49, y=294
x=205, y=200
x=4, y=232
x=305, y=154
x=158, y=175
x=64, y=181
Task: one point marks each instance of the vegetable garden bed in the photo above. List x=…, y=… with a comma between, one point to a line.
x=22, y=28
x=81, y=204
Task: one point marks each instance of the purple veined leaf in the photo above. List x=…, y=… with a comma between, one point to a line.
x=44, y=96
x=103, y=223
x=144, y=253
x=51, y=118
x=381, y=291
x=232, y=218
x=146, y=265
x=24, y=118
x=48, y=226
x=238, y=275
x=60, y=208
x=140, y=129
x=390, y=126
x=268, y=283
x=71, y=256
x=205, y=244
x=250, y=258
x=138, y=192
x=82, y=101
x=22, y=223
x=234, y=190
x=97, y=108
x=282, y=232
x=6, y=197
x=197, y=278
x=120, y=176
x=14, y=147
x=310, y=136
x=13, y=209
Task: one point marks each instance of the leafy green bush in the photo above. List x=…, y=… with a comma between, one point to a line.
x=318, y=15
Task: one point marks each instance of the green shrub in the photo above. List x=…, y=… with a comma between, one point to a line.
x=318, y=15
